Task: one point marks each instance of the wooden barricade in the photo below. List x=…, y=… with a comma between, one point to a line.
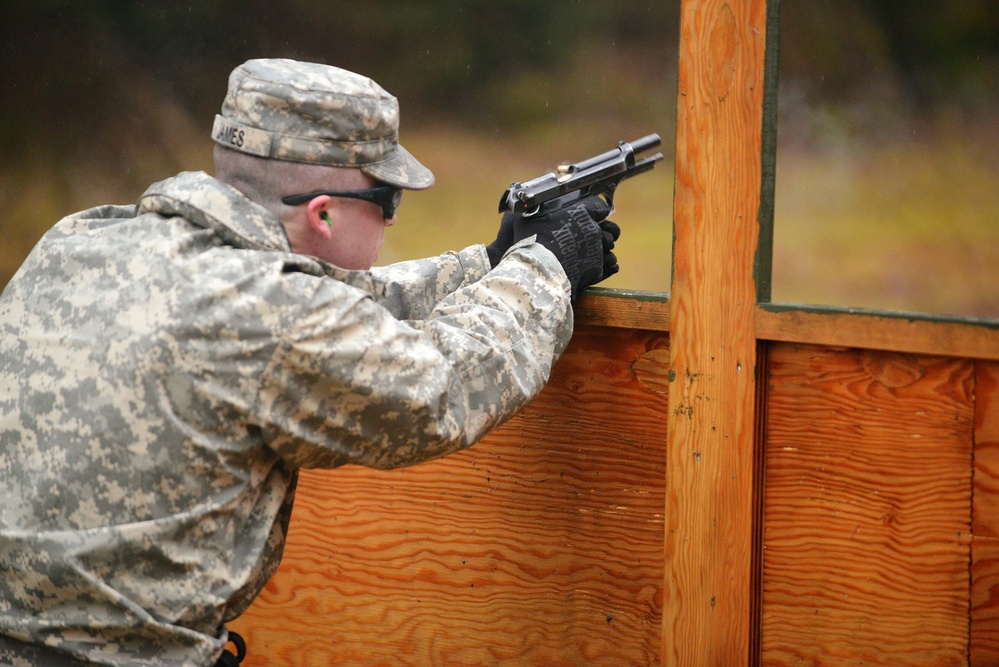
x=709, y=478
x=540, y=545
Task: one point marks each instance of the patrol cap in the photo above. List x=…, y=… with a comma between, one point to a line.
x=318, y=114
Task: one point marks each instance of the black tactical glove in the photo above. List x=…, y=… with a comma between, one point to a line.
x=504, y=239
x=576, y=239
x=611, y=233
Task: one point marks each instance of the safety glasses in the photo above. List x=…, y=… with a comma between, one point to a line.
x=384, y=196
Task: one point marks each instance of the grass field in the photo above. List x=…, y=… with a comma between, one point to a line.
x=906, y=226
x=911, y=226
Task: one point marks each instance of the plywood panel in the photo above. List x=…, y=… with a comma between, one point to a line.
x=541, y=545
x=985, y=547
x=984, y=649
x=867, y=508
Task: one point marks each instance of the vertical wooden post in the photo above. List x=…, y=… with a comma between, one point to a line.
x=709, y=486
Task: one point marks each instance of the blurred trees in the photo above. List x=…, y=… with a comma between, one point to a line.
x=938, y=52
x=70, y=67
x=882, y=68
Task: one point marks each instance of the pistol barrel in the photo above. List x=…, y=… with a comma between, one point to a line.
x=645, y=143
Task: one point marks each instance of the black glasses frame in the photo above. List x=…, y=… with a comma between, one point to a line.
x=385, y=196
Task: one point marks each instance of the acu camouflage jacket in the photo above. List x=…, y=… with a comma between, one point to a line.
x=166, y=368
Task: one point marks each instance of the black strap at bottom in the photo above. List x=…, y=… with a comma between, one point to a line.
x=230, y=659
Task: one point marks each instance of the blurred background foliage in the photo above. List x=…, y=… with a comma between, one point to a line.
x=887, y=181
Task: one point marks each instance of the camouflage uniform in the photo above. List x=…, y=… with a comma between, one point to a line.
x=166, y=368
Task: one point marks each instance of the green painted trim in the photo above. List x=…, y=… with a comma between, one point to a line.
x=633, y=295
x=676, y=122
x=764, y=260
x=819, y=309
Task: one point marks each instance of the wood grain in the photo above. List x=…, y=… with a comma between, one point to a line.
x=709, y=512
x=899, y=332
x=984, y=640
x=541, y=545
x=627, y=309
x=985, y=525
x=867, y=508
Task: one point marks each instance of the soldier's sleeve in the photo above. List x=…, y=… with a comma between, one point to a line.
x=411, y=289
x=354, y=384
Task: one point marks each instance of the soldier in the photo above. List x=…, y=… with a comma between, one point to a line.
x=167, y=368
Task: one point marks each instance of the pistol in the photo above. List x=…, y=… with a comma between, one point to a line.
x=598, y=175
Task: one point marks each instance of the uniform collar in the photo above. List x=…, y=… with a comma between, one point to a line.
x=210, y=203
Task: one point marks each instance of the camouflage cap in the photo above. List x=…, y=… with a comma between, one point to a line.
x=319, y=114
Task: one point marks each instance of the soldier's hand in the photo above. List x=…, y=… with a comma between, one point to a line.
x=504, y=239
x=611, y=233
x=574, y=236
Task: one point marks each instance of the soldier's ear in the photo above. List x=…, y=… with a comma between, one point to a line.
x=318, y=217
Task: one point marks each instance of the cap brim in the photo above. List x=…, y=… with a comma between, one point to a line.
x=402, y=170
